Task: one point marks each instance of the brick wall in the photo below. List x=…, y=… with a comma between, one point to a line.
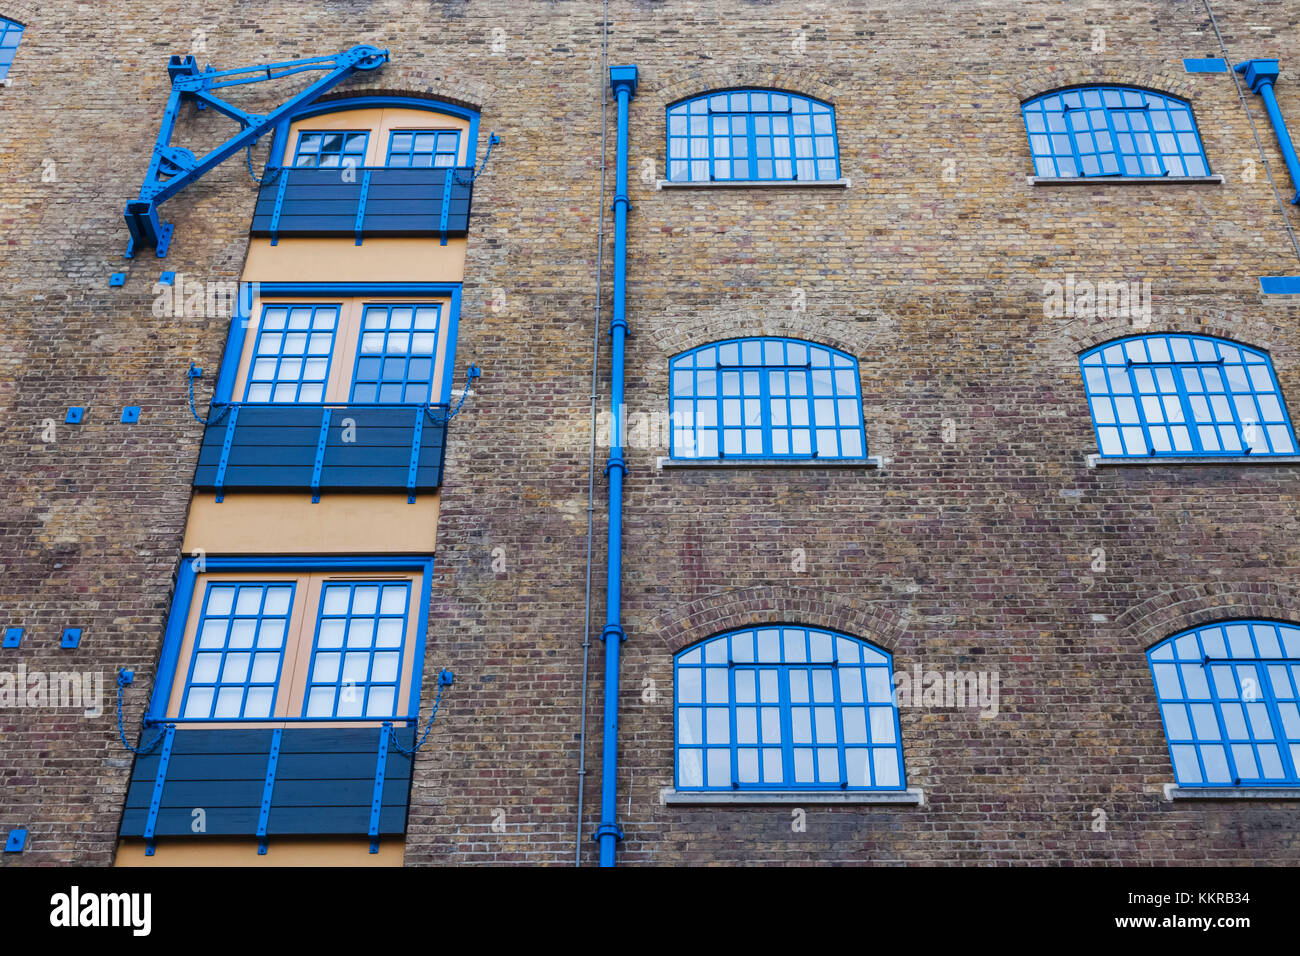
x=974, y=554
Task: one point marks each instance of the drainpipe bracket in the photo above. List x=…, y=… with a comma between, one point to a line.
x=613, y=629
x=616, y=462
x=620, y=198
x=608, y=829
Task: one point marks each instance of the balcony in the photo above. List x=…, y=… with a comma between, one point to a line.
x=363, y=201
x=323, y=447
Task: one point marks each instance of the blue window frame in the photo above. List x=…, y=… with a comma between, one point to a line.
x=10, y=34
x=765, y=398
x=330, y=148
x=752, y=135
x=437, y=148
x=1113, y=131
x=785, y=707
x=1229, y=695
x=291, y=358
x=396, y=355
x=239, y=650
x=356, y=662
x=1184, y=395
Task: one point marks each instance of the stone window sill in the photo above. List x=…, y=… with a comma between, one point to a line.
x=914, y=796
x=757, y=184
x=1118, y=180
x=871, y=461
x=1099, y=461
x=1175, y=792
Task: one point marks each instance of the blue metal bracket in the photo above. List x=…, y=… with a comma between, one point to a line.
x=377, y=801
x=17, y=841
x=320, y=455
x=361, y=205
x=279, y=204
x=416, y=438
x=1260, y=75
x=116, y=280
x=172, y=168
x=167, y=278
x=231, y=420
x=269, y=786
x=446, y=206
x=75, y=414
x=13, y=637
x=1207, y=65
x=130, y=414
x=155, y=802
x=71, y=638
x=1279, y=285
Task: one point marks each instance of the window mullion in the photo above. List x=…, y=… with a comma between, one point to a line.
x=787, y=725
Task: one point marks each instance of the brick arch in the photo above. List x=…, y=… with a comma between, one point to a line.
x=1075, y=74
x=771, y=604
x=680, y=334
x=1252, y=327
x=806, y=82
x=436, y=88
x=1181, y=608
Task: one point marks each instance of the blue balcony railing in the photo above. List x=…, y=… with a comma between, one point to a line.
x=323, y=447
x=362, y=201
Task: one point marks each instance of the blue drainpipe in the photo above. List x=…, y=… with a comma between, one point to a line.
x=1261, y=75
x=622, y=79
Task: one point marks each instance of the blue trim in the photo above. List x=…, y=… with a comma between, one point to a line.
x=1155, y=401
x=377, y=794
x=1118, y=148
x=753, y=116
x=264, y=811
x=411, y=153
x=1209, y=65
x=796, y=397
x=306, y=290
x=342, y=104
x=1261, y=75
x=764, y=651
x=160, y=780
x=1279, y=285
x=182, y=599
x=298, y=153
x=240, y=320
x=1218, y=733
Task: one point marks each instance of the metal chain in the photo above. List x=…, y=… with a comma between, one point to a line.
x=205, y=422
x=121, y=729
x=472, y=374
x=492, y=141
x=444, y=681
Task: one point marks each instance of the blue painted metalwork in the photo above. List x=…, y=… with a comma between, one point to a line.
x=232, y=420
x=446, y=206
x=238, y=657
x=160, y=781
x=16, y=842
x=1229, y=695
x=357, y=649
x=784, y=707
x=116, y=280
x=130, y=414
x=13, y=637
x=174, y=636
x=320, y=455
x=361, y=206
x=377, y=801
x=167, y=278
x=10, y=34
x=272, y=759
x=173, y=168
x=417, y=437
x=752, y=136
x=1260, y=76
x=623, y=82
x=1184, y=396
x=75, y=415
x=1113, y=131
x=71, y=639
x=1279, y=285
x=765, y=398
x=281, y=187
x=1208, y=65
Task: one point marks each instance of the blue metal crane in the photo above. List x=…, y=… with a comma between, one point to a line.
x=172, y=168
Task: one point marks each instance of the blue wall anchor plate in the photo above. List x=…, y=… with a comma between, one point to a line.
x=71, y=638
x=17, y=841
x=13, y=636
x=75, y=414
x=131, y=413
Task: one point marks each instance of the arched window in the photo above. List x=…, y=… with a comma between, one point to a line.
x=786, y=708
x=1228, y=697
x=765, y=398
x=752, y=135
x=1184, y=395
x=10, y=34
x=1113, y=131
